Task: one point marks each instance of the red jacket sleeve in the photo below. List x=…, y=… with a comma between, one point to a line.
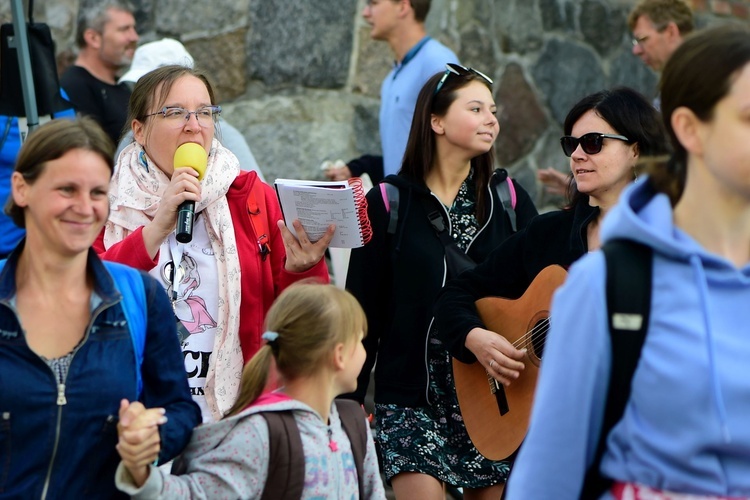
x=131, y=251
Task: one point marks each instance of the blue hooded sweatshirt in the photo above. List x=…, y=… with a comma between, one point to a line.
x=686, y=427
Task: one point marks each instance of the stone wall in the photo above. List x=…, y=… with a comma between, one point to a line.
x=301, y=78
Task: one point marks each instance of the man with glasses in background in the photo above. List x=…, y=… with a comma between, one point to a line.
x=106, y=39
x=658, y=28
x=417, y=58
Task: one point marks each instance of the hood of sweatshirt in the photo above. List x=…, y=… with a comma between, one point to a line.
x=644, y=216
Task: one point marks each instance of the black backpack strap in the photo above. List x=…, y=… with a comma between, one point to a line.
x=629, y=278
x=455, y=258
x=390, y=195
x=286, y=462
x=506, y=198
x=353, y=420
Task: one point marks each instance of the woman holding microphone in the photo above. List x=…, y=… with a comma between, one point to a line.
x=223, y=281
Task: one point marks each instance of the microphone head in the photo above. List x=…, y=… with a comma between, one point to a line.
x=191, y=155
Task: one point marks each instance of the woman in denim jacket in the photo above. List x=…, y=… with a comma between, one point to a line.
x=68, y=369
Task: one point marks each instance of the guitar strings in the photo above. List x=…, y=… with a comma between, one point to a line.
x=536, y=334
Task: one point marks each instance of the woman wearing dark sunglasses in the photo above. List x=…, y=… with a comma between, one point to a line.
x=605, y=135
x=447, y=172
x=683, y=431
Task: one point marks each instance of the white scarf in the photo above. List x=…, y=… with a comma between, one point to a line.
x=134, y=196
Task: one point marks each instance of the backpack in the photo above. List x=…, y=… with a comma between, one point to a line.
x=629, y=277
x=256, y=208
x=286, y=463
x=130, y=285
x=505, y=189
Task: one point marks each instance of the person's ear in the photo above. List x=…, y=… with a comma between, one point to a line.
x=139, y=131
x=672, y=30
x=19, y=189
x=689, y=130
x=339, y=357
x=436, y=122
x=636, y=151
x=405, y=8
x=92, y=37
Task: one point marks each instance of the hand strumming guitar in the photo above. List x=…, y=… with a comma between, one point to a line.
x=496, y=354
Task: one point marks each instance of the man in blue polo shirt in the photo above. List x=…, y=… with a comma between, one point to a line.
x=417, y=58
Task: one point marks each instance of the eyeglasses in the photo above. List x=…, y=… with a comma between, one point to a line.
x=641, y=40
x=591, y=143
x=178, y=117
x=459, y=70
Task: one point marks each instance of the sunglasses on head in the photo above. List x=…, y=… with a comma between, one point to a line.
x=591, y=143
x=457, y=69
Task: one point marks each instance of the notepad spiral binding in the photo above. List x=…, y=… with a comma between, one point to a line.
x=360, y=201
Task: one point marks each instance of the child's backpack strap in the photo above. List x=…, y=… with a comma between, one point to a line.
x=256, y=209
x=354, y=420
x=129, y=282
x=506, y=191
x=629, y=280
x=286, y=463
x=390, y=195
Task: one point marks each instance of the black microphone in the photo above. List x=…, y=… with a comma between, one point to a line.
x=185, y=218
x=194, y=156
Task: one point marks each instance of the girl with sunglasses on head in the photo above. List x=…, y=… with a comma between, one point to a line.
x=447, y=175
x=683, y=432
x=221, y=282
x=601, y=165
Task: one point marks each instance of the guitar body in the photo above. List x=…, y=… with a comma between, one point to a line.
x=497, y=417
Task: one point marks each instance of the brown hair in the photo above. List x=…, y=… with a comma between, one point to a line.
x=50, y=142
x=422, y=146
x=697, y=76
x=421, y=9
x=151, y=90
x=310, y=320
x=662, y=12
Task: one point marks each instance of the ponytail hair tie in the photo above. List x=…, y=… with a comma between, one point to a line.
x=271, y=338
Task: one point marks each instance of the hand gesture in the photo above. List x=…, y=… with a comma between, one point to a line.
x=497, y=355
x=555, y=182
x=138, y=438
x=336, y=171
x=301, y=253
x=184, y=186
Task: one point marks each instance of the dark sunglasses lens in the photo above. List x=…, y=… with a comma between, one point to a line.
x=591, y=143
x=569, y=144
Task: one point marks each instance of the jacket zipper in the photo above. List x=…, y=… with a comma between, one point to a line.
x=445, y=276
x=62, y=400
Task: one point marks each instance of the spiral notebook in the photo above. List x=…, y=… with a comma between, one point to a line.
x=319, y=203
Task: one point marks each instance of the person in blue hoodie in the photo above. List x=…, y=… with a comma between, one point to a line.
x=686, y=426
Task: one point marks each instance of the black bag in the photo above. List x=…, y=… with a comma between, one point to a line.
x=43, y=68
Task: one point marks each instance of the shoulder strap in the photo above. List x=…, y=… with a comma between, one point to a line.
x=629, y=279
x=456, y=260
x=256, y=209
x=130, y=284
x=506, y=191
x=390, y=195
x=353, y=420
x=286, y=462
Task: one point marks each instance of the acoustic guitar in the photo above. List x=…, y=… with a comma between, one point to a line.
x=497, y=417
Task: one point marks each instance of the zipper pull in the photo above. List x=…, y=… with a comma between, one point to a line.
x=61, y=401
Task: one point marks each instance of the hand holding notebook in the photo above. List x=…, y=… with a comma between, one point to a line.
x=319, y=203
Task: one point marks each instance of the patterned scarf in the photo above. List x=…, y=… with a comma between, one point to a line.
x=134, y=196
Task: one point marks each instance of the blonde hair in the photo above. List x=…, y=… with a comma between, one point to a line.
x=310, y=320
